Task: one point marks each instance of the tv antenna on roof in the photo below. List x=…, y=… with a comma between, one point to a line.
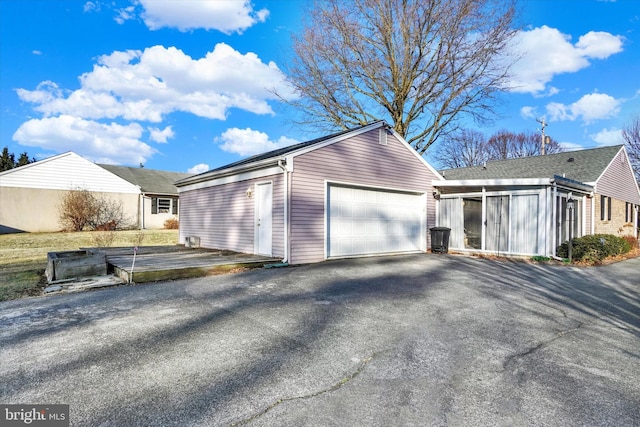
x=543, y=124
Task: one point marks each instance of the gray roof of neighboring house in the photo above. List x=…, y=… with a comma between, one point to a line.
x=150, y=181
x=584, y=166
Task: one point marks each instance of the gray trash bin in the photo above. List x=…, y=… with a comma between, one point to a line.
x=440, y=239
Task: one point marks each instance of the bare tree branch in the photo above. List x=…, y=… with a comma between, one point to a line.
x=470, y=148
x=421, y=65
x=631, y=136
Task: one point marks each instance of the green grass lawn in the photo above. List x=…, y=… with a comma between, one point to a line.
x=23, y=256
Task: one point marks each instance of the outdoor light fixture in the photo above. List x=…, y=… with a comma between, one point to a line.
x=250, y=192
x=571, y=204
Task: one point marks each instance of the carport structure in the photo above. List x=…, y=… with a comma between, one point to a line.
x=360, y=192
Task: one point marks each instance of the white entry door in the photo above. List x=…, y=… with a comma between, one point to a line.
x=363, y=221
x=263, y=219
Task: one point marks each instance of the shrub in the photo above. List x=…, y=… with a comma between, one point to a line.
x=138, y=238
x=81, y=209
x=171, y=224
x=593, y=249
x=105, y=238
x=76, y=209
x=633, y=242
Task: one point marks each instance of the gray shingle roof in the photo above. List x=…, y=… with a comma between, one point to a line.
x=584, y=166
x=150, y=181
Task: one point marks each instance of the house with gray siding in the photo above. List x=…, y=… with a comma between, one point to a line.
x=360, y=192
x=520, y=206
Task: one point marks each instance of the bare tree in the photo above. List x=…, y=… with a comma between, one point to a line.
x=508, y=145
x=631, y=136
x=470, y=148
x=76, y=209
x=418, y=64
x=80, y=209
x=462, y=149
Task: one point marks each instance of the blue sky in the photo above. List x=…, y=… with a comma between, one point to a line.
x=187, y=85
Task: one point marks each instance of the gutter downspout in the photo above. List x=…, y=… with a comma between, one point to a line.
x=141, y=210
x=283, y=165
x=554, y=219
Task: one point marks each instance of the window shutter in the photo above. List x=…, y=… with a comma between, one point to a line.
x=154, y=205
x=602, y=207
x=609, y=208
x=174, y=206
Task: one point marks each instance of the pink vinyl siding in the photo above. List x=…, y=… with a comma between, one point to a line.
x=618, y=181
x=223, y=216
x=359, y=160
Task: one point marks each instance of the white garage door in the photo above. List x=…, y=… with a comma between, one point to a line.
x=365, y=221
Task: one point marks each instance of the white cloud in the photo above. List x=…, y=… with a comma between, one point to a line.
x=545, y=52
x=199, y=168
x=589, y=108
x=599, y=45
x=125, y=14
x=147, y=85
x=91, y=7
x=608, y=137
x=36, y=52
x=105, y=143
x=161, y=135
x=528, y=112
x=246, y=142
x=225, y=16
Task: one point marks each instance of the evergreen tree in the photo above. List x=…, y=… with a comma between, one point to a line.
x=8, y=160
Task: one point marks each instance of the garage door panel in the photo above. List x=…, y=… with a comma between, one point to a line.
x=367, y=221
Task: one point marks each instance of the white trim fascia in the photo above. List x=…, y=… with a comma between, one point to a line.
x=231, y=178
x=335, y=139
x=626, y=155
x=484, y=191
x=40, y=162
x=609, y=165
x=491, y=182
x=208, y=176
x=623, y=148
x=415, y=153
x=274, y=160
x=374, y=187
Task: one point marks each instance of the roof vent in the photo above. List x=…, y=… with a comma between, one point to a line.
x=571, y=160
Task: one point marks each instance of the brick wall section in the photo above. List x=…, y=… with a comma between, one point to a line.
x=617, y=225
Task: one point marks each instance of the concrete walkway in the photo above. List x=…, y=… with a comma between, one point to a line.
x=407, y=340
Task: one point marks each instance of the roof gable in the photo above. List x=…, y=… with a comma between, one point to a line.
x=297, y=149
x=585, y=166
x=67, y=171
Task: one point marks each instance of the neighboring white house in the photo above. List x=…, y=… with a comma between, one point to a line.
x=30, y=194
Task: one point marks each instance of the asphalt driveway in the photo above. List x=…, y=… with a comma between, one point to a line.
x=407, y=340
